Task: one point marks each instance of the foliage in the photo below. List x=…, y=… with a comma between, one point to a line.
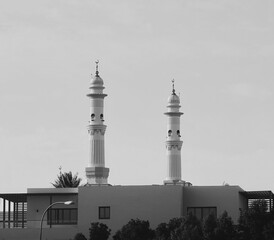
x=209, y=227
x=256, y=223
x=79, y=236
x=99, y=231
x=189, y=229
x=135, y=230
x=163, y=231
x=67, y=180
x=225, y=228
x=268, y=231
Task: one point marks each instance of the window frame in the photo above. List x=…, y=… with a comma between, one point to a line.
x=104, y=212
x=59, y=216
x=193, y=210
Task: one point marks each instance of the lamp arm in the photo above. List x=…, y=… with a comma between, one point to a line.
x=44, y=213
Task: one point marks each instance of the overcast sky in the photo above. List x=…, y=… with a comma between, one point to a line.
x=220, y=53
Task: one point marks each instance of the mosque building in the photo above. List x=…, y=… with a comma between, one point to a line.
x=99, y=201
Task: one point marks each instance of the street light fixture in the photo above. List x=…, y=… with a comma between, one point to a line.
x=44, y=213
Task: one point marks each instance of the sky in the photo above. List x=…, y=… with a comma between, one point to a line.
x=220, y=53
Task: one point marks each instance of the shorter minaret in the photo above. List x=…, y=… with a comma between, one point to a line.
x=173, y=142
x=96, y=172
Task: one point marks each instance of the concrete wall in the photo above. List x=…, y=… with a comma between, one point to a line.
x=225, y=198
x=39, y=201
x=154, y=203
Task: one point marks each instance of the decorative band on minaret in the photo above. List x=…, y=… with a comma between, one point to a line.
x=173, y=139
x=96, y=172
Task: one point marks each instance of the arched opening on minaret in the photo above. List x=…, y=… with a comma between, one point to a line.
x=92, y=116
x=102, y=117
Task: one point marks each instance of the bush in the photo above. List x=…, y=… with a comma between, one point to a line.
x=135, y=230
x=99, y=231
x=79, y=236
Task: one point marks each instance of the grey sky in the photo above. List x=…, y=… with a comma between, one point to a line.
x=220, y=53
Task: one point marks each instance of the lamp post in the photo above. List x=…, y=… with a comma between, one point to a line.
x=44, y=213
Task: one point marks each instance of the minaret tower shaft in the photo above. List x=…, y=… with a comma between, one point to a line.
x=173, y=139
x=96, y=172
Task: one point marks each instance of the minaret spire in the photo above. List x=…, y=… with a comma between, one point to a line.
x=97, y=72
x=96, y=172
x=173, y=139
x=173, y=89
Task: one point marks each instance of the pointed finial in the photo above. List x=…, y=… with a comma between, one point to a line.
x=173, y=90
x=97, y=72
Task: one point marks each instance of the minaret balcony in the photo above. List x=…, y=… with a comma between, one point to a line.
x=175, y=114
x=93, y=128
x=96, y=95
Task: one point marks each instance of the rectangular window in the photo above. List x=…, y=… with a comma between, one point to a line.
x=104, y=212
x=202, y=212
x=62, y=216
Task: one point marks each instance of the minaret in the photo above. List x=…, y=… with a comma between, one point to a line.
x=96, y=171
x=173, y=142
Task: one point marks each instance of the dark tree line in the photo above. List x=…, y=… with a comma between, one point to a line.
x=255, y=223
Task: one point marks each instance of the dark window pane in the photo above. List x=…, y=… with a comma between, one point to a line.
x=213, y=211
x=74, y=216
x=198, y=213
x=205, y=212
x=104, y=212
x=66, y=218
x=107, y=213
x=202, y=212
x=62, y=216
x=191, y=211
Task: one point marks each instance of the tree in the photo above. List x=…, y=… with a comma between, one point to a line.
x=79, y=236
x=268, y=231
x=67, y=180
x=99, y=231
x=164, y=230
x=135, y=230
x=225, y=228
x=256, y=223
x=209, y=227
x=189, y=229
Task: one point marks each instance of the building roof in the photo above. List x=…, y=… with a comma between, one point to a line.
x=258, y=194
x=54, y=191
x=22, y=197
x=14, y=197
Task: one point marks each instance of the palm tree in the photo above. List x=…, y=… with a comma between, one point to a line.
x=67, y=180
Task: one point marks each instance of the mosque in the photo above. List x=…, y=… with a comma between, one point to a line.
x=24, y=215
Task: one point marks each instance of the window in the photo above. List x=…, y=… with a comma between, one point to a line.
x=102, y=117
x=92, y=116
x=169, y=133
x=104, y=212
x=202, y=212
x=62, y=216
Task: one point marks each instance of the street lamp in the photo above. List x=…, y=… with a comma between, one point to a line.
x=44, y=213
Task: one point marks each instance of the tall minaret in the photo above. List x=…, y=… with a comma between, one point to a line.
x=96, y=171
x=173, y=142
